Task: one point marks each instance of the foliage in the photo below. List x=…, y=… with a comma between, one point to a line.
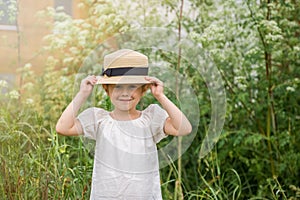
x=73, y=40
x=254, y=45
x=252, y=50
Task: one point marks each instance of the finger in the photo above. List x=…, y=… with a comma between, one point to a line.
x=154, y=80
x=92, y=79
x=151, y=79
x=158, y=83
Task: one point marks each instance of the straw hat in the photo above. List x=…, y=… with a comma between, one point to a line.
x=124, y=66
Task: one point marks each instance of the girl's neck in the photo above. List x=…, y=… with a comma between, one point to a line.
x=125, y=115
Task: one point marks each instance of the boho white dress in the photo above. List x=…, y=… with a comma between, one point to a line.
x=125, y=161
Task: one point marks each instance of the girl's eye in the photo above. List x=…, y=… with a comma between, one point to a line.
x=132, y=86
x=118, y=87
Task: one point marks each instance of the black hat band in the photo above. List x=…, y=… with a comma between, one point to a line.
x=126, y=71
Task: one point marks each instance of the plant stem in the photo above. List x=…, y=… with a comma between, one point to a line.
x=178, y=187
x=271, y=114
x=18, y=42
x=271, y=122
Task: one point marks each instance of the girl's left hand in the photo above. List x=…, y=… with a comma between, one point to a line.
x=157, y=87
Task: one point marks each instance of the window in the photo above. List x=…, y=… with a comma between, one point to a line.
x=8, y=80
x=66, y=4
x=8, y=12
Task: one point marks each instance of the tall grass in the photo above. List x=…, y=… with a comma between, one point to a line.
x=36, y=163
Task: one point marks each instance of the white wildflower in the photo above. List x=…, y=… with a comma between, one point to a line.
x=80, y=5
x=270, y=37
x=84, y=32
x=239, y=81
x=14, y=94
x=254, y=66
x=242, y=86
x=60, y=8
x=86, y=26
x=194, y=36
x=68, y=60
x=27, y=66
x=29, y=101
x=255, y=93
x=74, y=50
x=118, y=21
x=3, y=84
x=237, y=105
x=28, y=86
x=253, y=73
x=290, y=89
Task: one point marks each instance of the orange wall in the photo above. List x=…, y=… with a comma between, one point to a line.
x=28, y=41
x=31, y=32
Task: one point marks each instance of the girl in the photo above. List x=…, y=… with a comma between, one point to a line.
x=125, y=161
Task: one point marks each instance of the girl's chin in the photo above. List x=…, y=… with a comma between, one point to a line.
x=124, y=107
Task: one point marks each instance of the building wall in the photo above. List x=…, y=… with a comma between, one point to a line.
x=24, y=45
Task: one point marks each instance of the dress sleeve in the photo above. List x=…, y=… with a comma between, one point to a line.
x=89, y=119
x=159, y=117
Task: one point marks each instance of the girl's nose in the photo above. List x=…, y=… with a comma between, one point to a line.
x=125, y=92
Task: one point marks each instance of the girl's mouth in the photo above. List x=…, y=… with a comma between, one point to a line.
x=125, y=100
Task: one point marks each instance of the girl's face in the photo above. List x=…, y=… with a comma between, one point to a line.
x=125, y=97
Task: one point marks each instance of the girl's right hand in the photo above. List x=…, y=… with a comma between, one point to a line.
x=87, y=85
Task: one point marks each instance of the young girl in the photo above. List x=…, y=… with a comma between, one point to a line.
x=125, y=161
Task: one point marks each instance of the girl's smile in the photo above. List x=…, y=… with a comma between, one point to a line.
x=121, y=99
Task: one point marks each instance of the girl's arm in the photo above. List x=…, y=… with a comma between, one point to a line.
x=67, y=123
x=177, y=123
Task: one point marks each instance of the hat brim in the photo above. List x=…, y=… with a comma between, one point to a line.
x=122, y=80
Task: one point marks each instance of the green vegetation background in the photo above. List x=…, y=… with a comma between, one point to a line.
x=256, y=48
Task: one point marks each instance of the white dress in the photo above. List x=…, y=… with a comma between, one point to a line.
x=125, y=161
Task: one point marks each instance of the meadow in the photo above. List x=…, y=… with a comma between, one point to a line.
x=254, y=46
